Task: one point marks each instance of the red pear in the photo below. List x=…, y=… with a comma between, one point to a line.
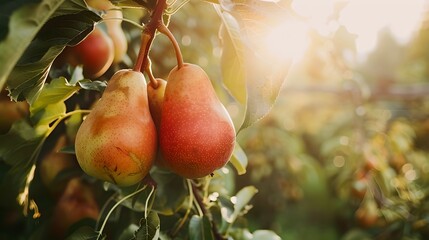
x=95, y=53
x=196, y=133
x=76, y=203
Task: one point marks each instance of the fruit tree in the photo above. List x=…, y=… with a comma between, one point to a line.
x=170, y=119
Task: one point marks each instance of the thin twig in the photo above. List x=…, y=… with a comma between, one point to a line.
x=206, y=212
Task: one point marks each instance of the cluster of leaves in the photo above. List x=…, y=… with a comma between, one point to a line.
x=34, y=33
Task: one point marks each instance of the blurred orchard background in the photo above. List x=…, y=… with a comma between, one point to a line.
x=344, y=152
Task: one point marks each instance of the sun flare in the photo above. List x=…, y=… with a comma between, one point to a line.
x=288, y=40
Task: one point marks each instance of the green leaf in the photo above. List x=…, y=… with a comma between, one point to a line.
x=233, y=207
x=239, y=159
x=39, y=32
x=68, y=149
x=264, y=74
x=171, y=191
x=19, y=148
x=241, y=233
x=24, y=23
x=93, y=85
x=265, y=235
x=200, y=228
x=18, y=145
x=149, y=227
x=81, y=230
x=242, y=199
x=128, y=233
x=232, y=60
x=50, y=104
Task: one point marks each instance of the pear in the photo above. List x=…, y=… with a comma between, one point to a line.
x=117, y=141
x=156, y=98
x=77, y=202
x=55, y=162
x=113, y=20
x=196, y=134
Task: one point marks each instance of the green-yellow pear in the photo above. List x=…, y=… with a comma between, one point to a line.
x=196, y=134
x=156, y=97
x=117, y=141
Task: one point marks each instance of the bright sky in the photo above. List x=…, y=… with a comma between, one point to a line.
x=365, y=18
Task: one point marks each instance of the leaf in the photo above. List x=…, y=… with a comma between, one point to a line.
x=200, y=228
x=171, y=192
x=19, y=148
x=82, y=230
x=50, y=104
x=265, y=234
x=68, y=149
x=239, y=159
x=242, y=198
x=93, y=85
x=232, y=62
x=24, y=23
x=39, y=32
x=264, y=75
x=233, y=207
x=128, y=233
x=240, y=233
x=149, y=228
x=150, y=5
x=18, y=145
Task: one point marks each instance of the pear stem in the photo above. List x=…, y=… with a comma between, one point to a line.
x=141, y=56
x=164, y=30
x=148, y=71
x=148, y=35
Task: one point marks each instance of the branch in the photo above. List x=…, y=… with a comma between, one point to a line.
x=206, y=212
x=148, y=35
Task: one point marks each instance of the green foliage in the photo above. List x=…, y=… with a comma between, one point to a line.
x=50, y=103
x=149, y=227
x=239, y=159
x=200, y=228
x=47, y=28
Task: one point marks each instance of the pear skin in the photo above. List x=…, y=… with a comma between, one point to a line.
x=156, y=98
x=55, y=162
x=117, y=141
x=196, y=135
x=95, y=53
x=113, y=17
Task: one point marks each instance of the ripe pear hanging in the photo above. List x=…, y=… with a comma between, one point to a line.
x=196, y=134
x=117, y=140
